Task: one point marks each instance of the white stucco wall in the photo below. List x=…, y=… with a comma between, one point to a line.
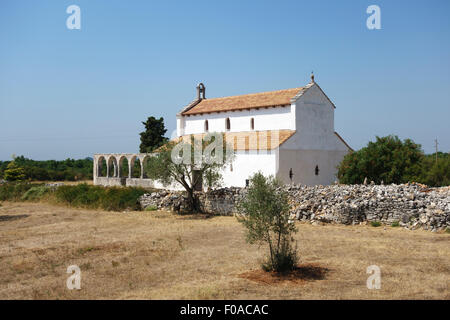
x=248, y=163
x=174, y=186
x=180, y=125
x=304, y=162
x=314, y=122
x=314, y=142
x=244, y=165
x=264, y=119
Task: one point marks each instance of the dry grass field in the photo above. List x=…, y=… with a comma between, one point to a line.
x=160, y=255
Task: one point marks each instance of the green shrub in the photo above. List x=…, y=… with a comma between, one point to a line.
x=81, y=195
x=435, y=173
x=122, y=198
x=13, y=191
x=375, y=223
x=151, y=208
x=387, y=159
x=391, y=160
x=95, y=197
x=35, y=193
x=68, y=194
x=395, y=224
x=447, y=230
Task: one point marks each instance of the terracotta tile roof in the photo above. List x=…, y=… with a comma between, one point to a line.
x=250, y=140
x=247, y=101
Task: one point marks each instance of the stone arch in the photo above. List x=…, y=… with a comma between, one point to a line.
x=124, y=168
x=101, y=167
x=146, y=164
x=112, y=167
x=136, y=167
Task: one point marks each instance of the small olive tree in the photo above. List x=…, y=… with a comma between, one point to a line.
x=265, y=214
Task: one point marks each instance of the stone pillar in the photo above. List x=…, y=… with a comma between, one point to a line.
x=142, y=168
x=130, y=169
x=95, y=168
x=107, y=168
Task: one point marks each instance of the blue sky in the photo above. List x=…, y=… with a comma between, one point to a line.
x=72, y=93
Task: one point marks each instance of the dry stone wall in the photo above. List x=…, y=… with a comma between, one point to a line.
x=410, y=205
x=219, y=201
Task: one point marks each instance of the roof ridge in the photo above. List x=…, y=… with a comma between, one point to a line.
x=265, y=99
x=256, y=93
x=192, y=104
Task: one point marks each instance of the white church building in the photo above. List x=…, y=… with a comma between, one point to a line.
x=285, y=133
x=302, y=146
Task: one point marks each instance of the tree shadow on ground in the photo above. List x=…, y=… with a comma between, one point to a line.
x=301, y=274
x=13, y=217
x=196, y=216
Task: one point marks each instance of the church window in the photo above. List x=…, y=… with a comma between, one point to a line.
x=227, y=124
x=206, y=126
x=317, y=170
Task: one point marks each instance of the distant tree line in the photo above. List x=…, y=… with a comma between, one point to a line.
x=22, y=168
x=391, y=160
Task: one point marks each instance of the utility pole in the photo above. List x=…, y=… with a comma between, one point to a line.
x=436, y=146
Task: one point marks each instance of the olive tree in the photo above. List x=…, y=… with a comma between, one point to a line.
x=265, y=214
x=191, y=163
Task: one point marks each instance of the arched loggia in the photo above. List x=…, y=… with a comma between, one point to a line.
x=112, y=167
x=101, y=167
x=124, y=167
x=136, y=167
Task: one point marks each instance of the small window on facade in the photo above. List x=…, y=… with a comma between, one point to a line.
x=206, y=126
x=252, y=123
x=317, y=170
x=227, y=124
